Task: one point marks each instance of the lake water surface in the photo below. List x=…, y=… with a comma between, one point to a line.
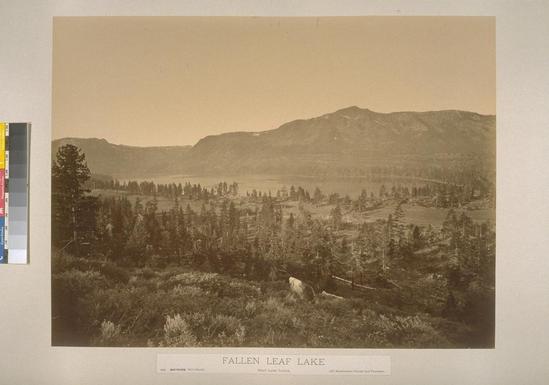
x=265, y=183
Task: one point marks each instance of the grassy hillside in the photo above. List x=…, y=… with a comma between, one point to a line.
x=176, y=306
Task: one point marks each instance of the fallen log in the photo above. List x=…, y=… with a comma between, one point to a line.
x=394, y=284
x=353, y=284
x=330, y=295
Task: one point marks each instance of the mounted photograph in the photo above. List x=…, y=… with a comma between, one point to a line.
x=288, y=182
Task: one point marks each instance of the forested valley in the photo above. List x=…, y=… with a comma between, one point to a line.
x=138, y=263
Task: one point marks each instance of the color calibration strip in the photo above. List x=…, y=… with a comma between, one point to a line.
x=14, y=187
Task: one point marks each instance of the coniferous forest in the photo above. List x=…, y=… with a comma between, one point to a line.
x=139, y=263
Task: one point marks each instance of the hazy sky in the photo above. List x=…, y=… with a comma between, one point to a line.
x=173, y=80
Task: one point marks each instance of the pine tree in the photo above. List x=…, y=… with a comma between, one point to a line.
x=397, y=226
x=69, y=174
x=417, y=238
x=293, y=194
x=152, y=226
x=337, y=217
x=135, y=246
x=317, y=196
x=290, y=222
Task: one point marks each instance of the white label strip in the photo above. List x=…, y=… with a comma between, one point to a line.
x=295, y=364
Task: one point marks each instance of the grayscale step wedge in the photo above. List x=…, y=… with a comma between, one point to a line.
x=17, y=193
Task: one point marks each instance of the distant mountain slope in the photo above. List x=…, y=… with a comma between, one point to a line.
x=126, y=161
x=347, y=141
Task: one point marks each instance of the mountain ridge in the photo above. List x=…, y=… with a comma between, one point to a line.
x=348, y=139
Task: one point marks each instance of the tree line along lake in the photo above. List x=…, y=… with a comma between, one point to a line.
x=419, y=214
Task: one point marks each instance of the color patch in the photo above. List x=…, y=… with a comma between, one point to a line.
x=2, y=192
x=3, y=259
x=2, y=145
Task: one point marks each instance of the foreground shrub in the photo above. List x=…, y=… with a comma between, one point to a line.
x=250, y=310
x=115, y=273
x=110, y=335
x=223, y=326
x=61, y=262
x=178, y=333
x=147, y=273
x=277, y=324
x=187, y=291
x=72, y=321
x=215, y=284
x=410, y=331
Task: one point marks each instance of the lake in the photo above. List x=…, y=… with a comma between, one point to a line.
x=351, y=186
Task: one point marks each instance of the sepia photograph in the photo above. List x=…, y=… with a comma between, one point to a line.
x=288, y=182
